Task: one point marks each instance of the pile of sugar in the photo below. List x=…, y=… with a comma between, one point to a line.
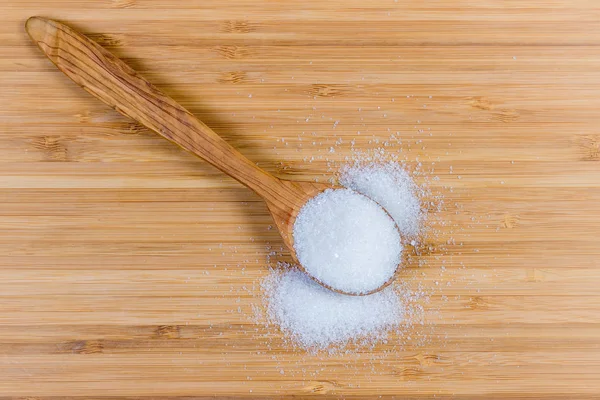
x=347, y=241
x=390, y=186
x=316, y=318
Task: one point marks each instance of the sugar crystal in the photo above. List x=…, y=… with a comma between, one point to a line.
x=347, y=241
x=318, y=318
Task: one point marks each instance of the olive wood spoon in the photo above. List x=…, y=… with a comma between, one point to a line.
x=109, y=79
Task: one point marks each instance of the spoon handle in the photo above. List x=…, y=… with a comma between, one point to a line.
x=111, y=80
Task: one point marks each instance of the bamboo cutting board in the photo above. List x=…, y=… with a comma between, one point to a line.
x=130, y=268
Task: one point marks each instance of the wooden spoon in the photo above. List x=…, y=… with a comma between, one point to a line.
x=109, y=79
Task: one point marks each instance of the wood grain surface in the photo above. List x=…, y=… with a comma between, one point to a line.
x=109, y=79
x=131, y=269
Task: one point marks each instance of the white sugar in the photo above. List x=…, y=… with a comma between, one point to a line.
x=347, y=241
x=317, y=318
x=390, y=186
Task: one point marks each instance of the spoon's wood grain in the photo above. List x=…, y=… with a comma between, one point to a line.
x=111, y=80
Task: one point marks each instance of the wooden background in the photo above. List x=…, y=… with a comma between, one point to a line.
x=130, y=268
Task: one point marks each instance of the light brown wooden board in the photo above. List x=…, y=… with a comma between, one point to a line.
x=119, y=252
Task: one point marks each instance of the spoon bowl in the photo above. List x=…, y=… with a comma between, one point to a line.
x=112, y=81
